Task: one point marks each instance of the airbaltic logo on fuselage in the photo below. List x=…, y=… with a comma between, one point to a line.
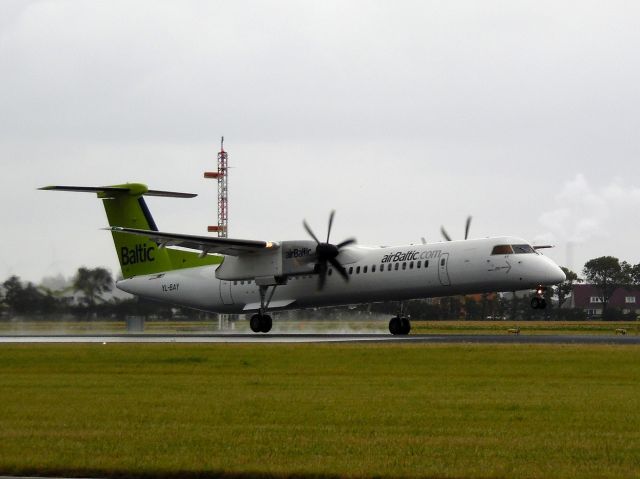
x=140, y=254
x=412, y=255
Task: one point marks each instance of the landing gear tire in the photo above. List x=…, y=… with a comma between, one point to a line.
x=256, y=323
x=266, y=323
x=399, y=326
x=394, y=326
x=260, y=323
x=405, y=326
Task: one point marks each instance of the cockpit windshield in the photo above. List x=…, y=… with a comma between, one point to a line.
x=512, y=249
x=522, y=249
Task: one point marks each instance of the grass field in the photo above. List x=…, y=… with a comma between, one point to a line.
x=320, y=410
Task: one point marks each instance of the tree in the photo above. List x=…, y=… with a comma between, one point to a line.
x=23, y=299
x=92, y=283
x=607, y=274
x=565, y=288
x=632, y=272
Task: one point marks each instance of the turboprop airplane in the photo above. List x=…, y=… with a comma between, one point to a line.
x=239, y=276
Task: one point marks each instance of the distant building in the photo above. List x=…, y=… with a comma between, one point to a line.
x=589, y=298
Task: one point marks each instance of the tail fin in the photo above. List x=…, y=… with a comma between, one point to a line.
x=125, y=206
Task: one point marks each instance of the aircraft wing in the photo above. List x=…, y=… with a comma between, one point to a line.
x=205, y=244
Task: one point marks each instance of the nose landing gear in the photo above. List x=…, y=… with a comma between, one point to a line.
x=538, y=301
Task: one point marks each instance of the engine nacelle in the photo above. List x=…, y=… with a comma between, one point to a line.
x=272, y=265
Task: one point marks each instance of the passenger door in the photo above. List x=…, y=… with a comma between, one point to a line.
x=225, y=292
x=443, y=272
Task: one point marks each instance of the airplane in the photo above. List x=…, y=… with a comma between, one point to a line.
x=238, y=276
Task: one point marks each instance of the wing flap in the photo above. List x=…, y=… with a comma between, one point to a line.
x=280, y=303
x=205, y=244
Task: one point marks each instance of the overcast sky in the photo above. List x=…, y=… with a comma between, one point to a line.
x=400, y=115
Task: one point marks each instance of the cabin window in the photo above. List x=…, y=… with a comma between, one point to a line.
x=373, y=268
x=330, y=271
x=397, y=265
x=411, y=265
x=426, y=263
x=418, y=264
x=522, y=249
x=358, y=270
x=389, y=267
x=404, y=265
x=364, y=270
x=442, y=262
x=351, y=270
x=502, y=249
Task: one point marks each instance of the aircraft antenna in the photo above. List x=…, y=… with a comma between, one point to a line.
x=222, y=175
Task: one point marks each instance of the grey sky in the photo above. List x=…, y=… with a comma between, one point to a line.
x=401, y=115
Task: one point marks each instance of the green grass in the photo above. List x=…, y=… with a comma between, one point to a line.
x=306, y=410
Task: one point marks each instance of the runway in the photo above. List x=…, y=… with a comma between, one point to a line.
x=326, y=338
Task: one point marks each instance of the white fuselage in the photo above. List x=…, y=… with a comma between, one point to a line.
x=375, y=274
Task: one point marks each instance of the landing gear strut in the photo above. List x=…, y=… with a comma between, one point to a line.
x=400, y=324
x=538, y=301
x=261, y=322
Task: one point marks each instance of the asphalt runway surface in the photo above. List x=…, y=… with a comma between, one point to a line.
x=327, y=338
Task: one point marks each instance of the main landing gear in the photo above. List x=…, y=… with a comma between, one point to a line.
x=261, y=322
x=538, y=301
x=400, y=324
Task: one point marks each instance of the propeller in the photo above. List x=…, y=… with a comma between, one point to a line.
x=466, y=230
x=326, y=253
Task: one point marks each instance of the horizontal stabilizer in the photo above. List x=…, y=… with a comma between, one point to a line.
x=205, y=244
x=135, y=189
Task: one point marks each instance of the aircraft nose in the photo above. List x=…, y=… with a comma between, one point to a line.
x=557, y=275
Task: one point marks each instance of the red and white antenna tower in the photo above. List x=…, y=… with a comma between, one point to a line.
x=222, y=175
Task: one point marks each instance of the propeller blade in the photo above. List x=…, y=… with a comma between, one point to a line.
x=346, y=243
x=467, y=226
x=444, y=233
x=339, y=268
x=424, y=241
x=331, y=215
x=308, y=229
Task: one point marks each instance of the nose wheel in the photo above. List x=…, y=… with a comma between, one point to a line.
x=399, y=325
x=538, y=301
